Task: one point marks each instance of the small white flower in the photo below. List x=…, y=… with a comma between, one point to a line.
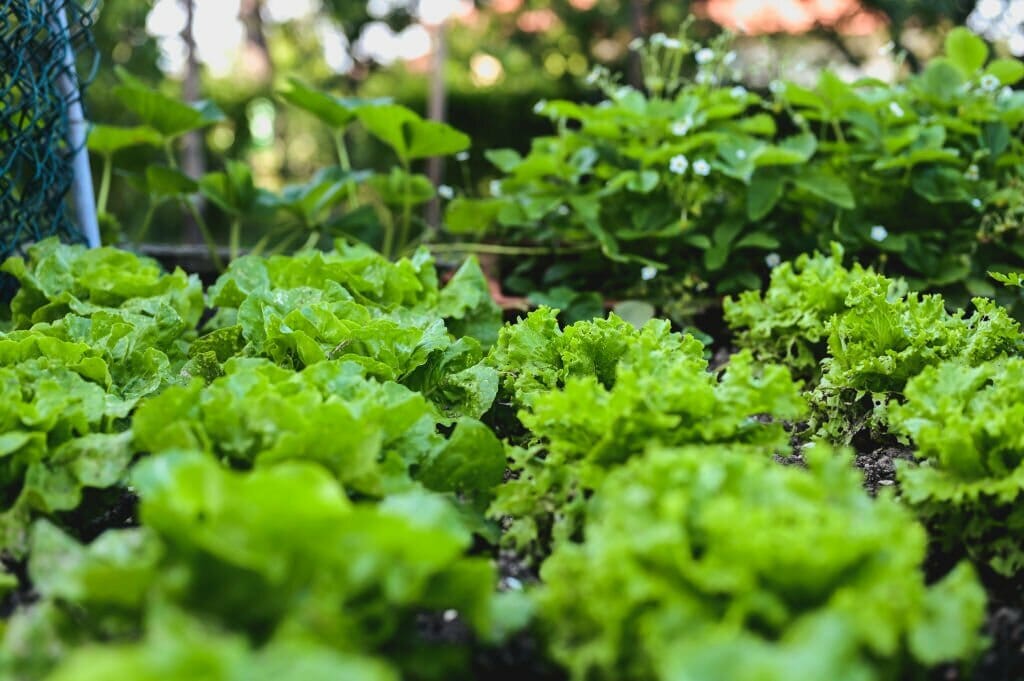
x=738, y=92
x=705, y=55
x=976, y=203
x=539, y=106
x=636, y=43
x=990, y=83
x=513, y=584
x=879, y=233
x=678, y=164
x=896, y=110
x=1005, y=93
x=450, y=615
x=648, y=273
x=705, y=78
x=773, y=260
x=562, y=209
x=741, y=154
x=680, y=128
x=591, y=77
x=495, y=187
x=658, y=39
x=462, y=156
x=729, y=57
x=972, y=173
x=446, y=192
x=622, y=92
x=777, y=87
x=672, y=44
x=702, y=167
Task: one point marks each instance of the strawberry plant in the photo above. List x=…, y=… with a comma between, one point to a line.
x=714, y=184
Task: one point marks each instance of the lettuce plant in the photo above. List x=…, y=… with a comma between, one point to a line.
x=92, y=332
x=788, y=323
x=965, y=421
x=881, y=341
x=596, y=394
x=369, y=434
x=352, y=303
x=713, y=562
x=275, y=563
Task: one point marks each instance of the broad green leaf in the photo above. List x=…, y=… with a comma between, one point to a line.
x=471, y=216
x=965, y=50
x=108, y=139
x=505, y=160
x=471, y=461
x=825, y=185
x=167, y=115
x=764, y=192
x=997, y=137
x=941, y=81
x=409, y=135
x=643, y=182
x=940, y=184
x=759, y=240
x=232, y=189
x=165, y=182
x=1008, y=71
x=636, y=312
x=399, y=187
x=336, y=112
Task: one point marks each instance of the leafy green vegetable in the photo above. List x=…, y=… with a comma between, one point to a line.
x=368, y=433
x=714, y=562
x=354, y=304
x=277, y=557
x=966, y=422
x=596, y=394
x=789, y=322
x=880, y=342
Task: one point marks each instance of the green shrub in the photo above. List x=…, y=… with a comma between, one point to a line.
x=715, y=183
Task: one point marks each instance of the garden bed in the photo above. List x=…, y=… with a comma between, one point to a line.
x=505, y=497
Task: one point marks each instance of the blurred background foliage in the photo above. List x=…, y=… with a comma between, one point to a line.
x=499, y=58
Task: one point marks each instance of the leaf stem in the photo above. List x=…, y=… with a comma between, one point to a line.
x=403, y=235
x=234, y=238
x=346, y=164
x=108, y=167
x=146, y=221
x=211, y=245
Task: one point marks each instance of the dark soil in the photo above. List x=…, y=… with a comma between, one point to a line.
x=24, y=594
x=1004, y=625
x=879, y=466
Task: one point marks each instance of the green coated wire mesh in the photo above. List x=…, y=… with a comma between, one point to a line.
x=35, y=155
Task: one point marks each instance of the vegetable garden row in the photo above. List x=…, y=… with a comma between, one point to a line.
x=336, y=465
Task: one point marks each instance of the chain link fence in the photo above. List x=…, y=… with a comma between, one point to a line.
x=40, y=95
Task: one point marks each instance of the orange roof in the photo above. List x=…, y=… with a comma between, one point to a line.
x=755, y=17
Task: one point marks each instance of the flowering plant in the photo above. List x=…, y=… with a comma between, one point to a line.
x=697, y=176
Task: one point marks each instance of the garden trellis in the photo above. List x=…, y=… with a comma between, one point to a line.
x=42, y=126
